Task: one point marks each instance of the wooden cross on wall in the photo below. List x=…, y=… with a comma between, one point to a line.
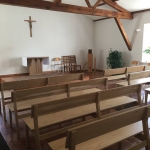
x=30, y=24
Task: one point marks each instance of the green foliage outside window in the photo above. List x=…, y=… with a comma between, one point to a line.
x=147, y=51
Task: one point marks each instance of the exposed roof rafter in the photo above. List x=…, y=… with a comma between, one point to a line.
x=40, y=4
x=88, y=3
x=96, y=4
x=57, y=1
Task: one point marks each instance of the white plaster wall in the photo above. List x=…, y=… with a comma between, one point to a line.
x=55, y=34
x=107, y=35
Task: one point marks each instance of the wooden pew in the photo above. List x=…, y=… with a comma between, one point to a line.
x=122, y=73
x=138, y=75
x=105, y=132
x=23, y=99
x=70, y=108
x=135, y=69
x=114, y=74
x=24, y=84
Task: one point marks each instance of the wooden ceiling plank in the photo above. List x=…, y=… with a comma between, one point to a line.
x=100, y=19
x=88, y=3
x=122, y=30
x=96, y=4
x=115, y=5
x=67, y=8
x=105, y=3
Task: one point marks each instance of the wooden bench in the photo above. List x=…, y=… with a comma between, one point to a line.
x=122, y=73
x=134, y=82
x=23, y=99
x=105, y=132
x=138, y=75
x=135, y=69
x=57, y=112
x=24, y=84
x=115, y=74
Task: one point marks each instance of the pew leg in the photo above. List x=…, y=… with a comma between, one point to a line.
x=4, y=111
x=10, y=118
x=146, y=97
x=119, y=146
x=0, y=107
x=17, y=127
x=27, y=137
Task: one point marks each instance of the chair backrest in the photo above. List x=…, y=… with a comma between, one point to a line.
x=134, y=62
x=138, y=75
x=72, y=59
x=94, y=129
x=135, y=69
x=110, y=72
x=65, y=60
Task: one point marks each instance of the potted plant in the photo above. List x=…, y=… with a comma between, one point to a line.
x=115, y=59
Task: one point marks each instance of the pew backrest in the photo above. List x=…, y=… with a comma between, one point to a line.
x=94, y=129
x=117, y=71
x=135, y=69
x=38, y=82
x=65, y=78
x=122, y=91
x=61, y=105
x=66, y=88
x=138, y=75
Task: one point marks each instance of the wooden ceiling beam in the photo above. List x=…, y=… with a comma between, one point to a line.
x=57, y=1
x=122, y=30
x=115, y=5
x=67, y=8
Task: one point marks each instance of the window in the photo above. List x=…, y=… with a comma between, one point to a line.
x=146, y=42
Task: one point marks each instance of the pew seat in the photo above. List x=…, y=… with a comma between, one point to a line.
x=69, y=114
x=102, y=141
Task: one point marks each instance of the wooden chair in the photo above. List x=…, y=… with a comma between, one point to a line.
x=111, y=130
x=23, y=99
x=63, y=110
x=70, y=63
x=134, y=63
x=74, y=63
